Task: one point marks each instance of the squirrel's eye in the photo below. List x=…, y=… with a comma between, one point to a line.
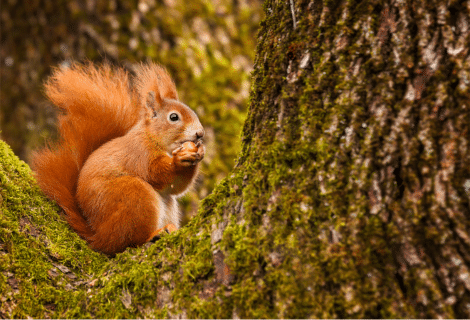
x=174, y=117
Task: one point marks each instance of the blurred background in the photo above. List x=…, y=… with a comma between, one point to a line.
x=208, y=47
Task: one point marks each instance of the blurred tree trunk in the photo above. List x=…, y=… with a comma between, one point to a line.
x=351, y=196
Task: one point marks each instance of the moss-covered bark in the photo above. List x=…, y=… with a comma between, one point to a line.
x=350, y=198
x=44, y=267
x=356, y=160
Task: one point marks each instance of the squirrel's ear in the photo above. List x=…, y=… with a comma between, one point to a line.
x=152, y=103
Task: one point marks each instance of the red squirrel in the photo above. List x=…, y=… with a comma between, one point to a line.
x=125, y=153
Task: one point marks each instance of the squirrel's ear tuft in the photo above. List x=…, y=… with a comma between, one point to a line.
x=152, y=77
x=152, y=102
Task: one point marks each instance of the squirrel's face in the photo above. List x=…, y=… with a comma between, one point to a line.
x=173, y=123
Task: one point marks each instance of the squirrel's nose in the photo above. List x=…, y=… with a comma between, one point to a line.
x=199, y=134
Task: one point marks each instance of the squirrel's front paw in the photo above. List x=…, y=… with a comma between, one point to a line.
x=200, y=150
x=189, y=154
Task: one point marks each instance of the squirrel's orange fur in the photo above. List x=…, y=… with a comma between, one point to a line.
x=124, y=155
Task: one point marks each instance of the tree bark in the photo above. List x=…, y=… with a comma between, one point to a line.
x=356, y=160
x=350, y=198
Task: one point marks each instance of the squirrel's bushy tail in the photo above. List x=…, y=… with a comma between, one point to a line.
x=98, y=106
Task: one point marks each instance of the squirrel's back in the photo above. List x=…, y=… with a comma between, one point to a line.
x=98, y=106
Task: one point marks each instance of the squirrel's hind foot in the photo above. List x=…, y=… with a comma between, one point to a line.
x=157, y=235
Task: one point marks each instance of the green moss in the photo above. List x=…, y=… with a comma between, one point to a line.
x=35, y=243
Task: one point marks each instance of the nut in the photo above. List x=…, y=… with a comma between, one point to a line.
x=190, y=146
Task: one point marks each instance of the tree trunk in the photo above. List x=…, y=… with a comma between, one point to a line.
x=355, y=171
x=351, y=196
